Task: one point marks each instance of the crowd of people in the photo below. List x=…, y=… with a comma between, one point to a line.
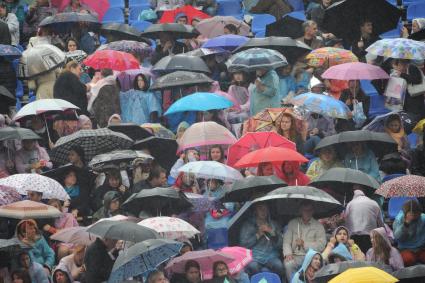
x=131, y=104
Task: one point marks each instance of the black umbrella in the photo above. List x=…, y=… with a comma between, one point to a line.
x=344, y=18
x=13, y=245
x=6, y=93
x=181, y=62
x=412, y=274
x=249, y=188
x=6, y=100
x=116, y=31
x=100, y=162
x=419, y=36
x=157, y=201
x=162, y=149
x=58, y=173
x=177, y=30
x=179, y=79
x=64, y=22
x=122, y=230
x=290, y=48
x=15, y=133
x=290, y=25
x=133, y=131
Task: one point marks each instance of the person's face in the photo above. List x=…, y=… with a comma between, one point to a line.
x=415, y=27
x=185, y=249
x=261, y=211
x=70, y=179
x=76, y=71
x=114, y=182
x=311, y=30
x=72, y=45
x=16, y=279
x=226, y=31
x=215, y=154
x=267, y=169
x=60, y=277
x=316, y=262
x=327, y=155
x=367, y=28
x=285, y=123
x=326, y=3
x=161, y=279
x=401, y=66
x=238, y=77
x=2, y=11
x=194, y=154
x=341, y=236
x=34, y=196
x=28, y=144
x=110, y=243
x=115, y=205
x=357, y=148
x=193, y=275
x=195, y=22
x=140, y=82
x=73, y=157
x=182, y=20
x=288, y=168
x=221, y=270
x=161, y=181
x=25, y=261
x=306, y=212
x=285, y=71
x=394, y=126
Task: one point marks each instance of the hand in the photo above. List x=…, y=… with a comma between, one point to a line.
x=75, y=212
x=289, y=257
x=167, y=46
x=350, y=242
x=122, y=189
x=409, y=217
x=265, y=228
x=348, y=102
x=299, y=243
x=47, y=227
x=332, y=240
x=66, y=203
x=314, y=132
x=330, y=245
x=360, y=44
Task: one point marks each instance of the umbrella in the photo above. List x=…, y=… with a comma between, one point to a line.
x=117, y=31
x=204, y=258
x=74, y=235
x=117, y=157
x=189, y=11
x=419, y=127
x=93, y=142
x=325, y=105
x=141, y=49
x=287, y=200
x=64, y=22
x=398, y=48
x=170, y=227
x=364, y=275
x=43, y=106
x=98, y=6
x=39, y=60
x=271, y=154
x=205, y=133
x=202, y=203
x=289, y=25
x=27, y=209
x=133, y=131
x=242, y=257
x=378, y=123
x=180, y=79
x=330, y=56
x=419, y=36
x=162, y=149
x=383, y=15
x=181, y=62
x=9, y=51
x=177, y=30
x=111, y=59
x=6, y=93
x=211, y=170
x=23, y=183
x=199, y=101
x=122, y=230
x=204, y=52
x=412, y=272
x=165, y=201
x=355, y=71
x=143, y=257
x=256, y=140
x=404, y=186
x=12, y=246
x=248, y=188
x=256, y=58
x=76, y=55
x=159, y=130
x=226, y=42
x=214, y=26
x=15, y=133
x=8, y=195
x=290, y=48
x=344, y=178
x=126, y=78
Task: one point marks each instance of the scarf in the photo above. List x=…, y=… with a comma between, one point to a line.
x=73, y=191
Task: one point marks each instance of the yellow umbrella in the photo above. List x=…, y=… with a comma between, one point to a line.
x=364, y=275
x=419, y=128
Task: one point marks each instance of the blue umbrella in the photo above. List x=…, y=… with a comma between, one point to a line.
x=143, y=257
x=322, y=104
x=227, y=42
x=199, y=101
x=256, y=58
x=9, y=51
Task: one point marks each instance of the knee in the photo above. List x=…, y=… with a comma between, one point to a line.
x=409, y=258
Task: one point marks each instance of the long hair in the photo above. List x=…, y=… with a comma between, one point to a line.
x=221, y=152
x=292, y=130
x=381, y=248
x=215, y=265
x=136, y=85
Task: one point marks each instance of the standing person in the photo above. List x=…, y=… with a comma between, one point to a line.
x=313, y=261
x=265, y=93
x=99, y=260
x=367, y=37
x=12, y=22
x=310, y=35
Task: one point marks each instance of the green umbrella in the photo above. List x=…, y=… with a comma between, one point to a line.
x=15, y=133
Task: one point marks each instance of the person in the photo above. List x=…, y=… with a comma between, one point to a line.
x=418, y=24
x=39, y=10
x=21, y=276
x=327, y=159
x=38, y=125
x=192, y=272
x=113, y=183
x=303, y=233
x=73, y=53
x=111, y=206
x=221, y=273
x=157, y=178
x=265, y=169
x=157, y=276
x=12, y=22
x=409, y=232
x=78, y=7
x=367, y=37
x=61, y=276
x=216, y=153
x=79, y=195
x=31, y=267
x=317, y=14
x=341, y=237
x=362, y=215
x=84, y=123
x=265, y=93
x=99, y=260
x=230, y=29
x=288, y=85
x=215, y=188
x=418, y=158
x=393, y=165
x=292, y=174
x=168, y=46
x=310, y=35
x=32, y=158
x=351, y=97
x=287, y=128
x=277, y=8
x=189, y=155
x=360, y=157
x=319, y=127
x=313, y=261
x=262, y=235
x=394, y=127
x=139, y=105
x=163, y=5
x=73, y=263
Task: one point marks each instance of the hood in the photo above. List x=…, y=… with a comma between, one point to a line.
x=114, y=116
x=109, y=197
x=307, y=259
x=420, y=22
x=381, y=231
x=339, y=228
x=342, y=251
x=63, y=269
x=22, y=222
x=358, y=193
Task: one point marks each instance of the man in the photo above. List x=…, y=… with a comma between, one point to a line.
x=167, y=46
x=157, y=178
x=12, y=22
x=310, y=35
x=303, y=233
x=99, y=260
x=367, y=37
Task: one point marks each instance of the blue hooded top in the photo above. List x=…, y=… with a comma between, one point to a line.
x=306, y=263
x=343, y=251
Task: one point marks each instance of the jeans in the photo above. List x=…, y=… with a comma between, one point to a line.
x=272, y=265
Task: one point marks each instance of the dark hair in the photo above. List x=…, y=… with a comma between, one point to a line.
x=68, y=280
x=412, y=206
x=393, y=165
x=156, y=172
x=232, y=28
x=79, y=150
x=392, y=117
x=114, y=174
x=106, y=72
x=71, y=39
x=21, y=274
x=191, y=263
x=221, y=152
x=215, y=265
x=145, y=79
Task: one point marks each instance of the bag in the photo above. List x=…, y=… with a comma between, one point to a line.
x=417, y=89
x=395, y=88
x=358, y=114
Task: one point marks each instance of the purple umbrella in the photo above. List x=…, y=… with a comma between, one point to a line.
x=126, y=78
x=8, y=195
x=227, y=42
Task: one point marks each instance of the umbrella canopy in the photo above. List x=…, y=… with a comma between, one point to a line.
x=355, y=71
x=9, y=51
x=27, y=209
x=378, y=123
x=117, y=31
x=214, y=26
x=122, y=230
x=8, y=195
x=15, y=133
x=204, y=258
x=181, y=62
x=199, y=101
x=64, y=22
x=364, y=275
x=170, y=227
x=169, y=16
x=177, y=30
x=159, y=130
x=325, y=105
x=242, y=257
x=6, y=94
x=255, y=140
x=411, y=272
x=12, y=246
x=272, y=154
x=39, y=60
x=162, y=149
x=180, y=79
x=330, y=56
x=398, y=48
x=205, y=133
x=204, y=52
x=256, y=58
x=143, y=257
x=404, y=186
x=43, y=106
x=98, y=6
x=111, y=59
x=419, y=35
x=211, y=170
x=287, y=201
x=202, y=203
x=289, y=25
x=142, y=49
x=74, y=235
x=76, y=55
x=93, y=142
x=133, y=131
x=251, y=187
x=117, y=157
x=419, y=127
x=226, y=42
x=23, y=183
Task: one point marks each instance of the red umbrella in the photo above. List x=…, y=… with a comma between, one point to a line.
x=275, y=155
x=256, y=140
x=98, y=6
x=111, y=59
x=405, y=186
x=188, y=10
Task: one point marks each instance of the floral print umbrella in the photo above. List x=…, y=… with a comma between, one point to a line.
x=170, y=227
x=330, y=56
x=8, y=195
x=399, y=48
x=405, y=186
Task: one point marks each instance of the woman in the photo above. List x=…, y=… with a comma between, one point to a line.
x=216, y=153
x=77, y=191
x=74, y=263
x=382, y=251
x=113, y=183
x=327, y=159
x=139, y=105
x=287, y=128
x=312, y=263
x=189, y=155
x=215, y=188
x=61, y=276
x=221, y=273
x=32, y=158
x=418, y=24
x=360, y=157
x=78, y=7
x=341, y=236
x=192, y=272
x=238, y=90
x=292, y=174
x=265, y=169
x=111, y=206
x=394, y=128
x=21, y=276
x=352, y=97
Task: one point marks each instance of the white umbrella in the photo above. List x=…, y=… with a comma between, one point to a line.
x=44, y=105
x=27, y=209
x=170, y=227
x=212, y=170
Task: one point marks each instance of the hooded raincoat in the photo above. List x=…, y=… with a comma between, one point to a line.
x=300, y=275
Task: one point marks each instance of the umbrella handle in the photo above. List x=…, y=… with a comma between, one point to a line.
x=47, y=129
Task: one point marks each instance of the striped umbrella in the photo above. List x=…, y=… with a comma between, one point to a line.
x=256, y=58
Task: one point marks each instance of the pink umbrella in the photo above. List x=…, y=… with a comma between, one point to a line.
x=8, y=195
x=98, y=6
x=242, y=257
x=355, y=71
x=74, y=235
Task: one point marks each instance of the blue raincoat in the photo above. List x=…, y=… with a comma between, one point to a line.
x=410, y=237
x=269, y=98
x=137, y=105
x=306, y=263
x=365, y=163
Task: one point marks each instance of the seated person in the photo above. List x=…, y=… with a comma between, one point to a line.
x=313, y=261
x=327, y=159
x=113, y=183
x=341, y=237
x=111, y=206
x=360, y=157
x=382, y=251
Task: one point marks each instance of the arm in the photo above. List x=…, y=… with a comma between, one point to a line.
x=288, y=239
x=401, y=229
x=247, y=236
x=13, y=23
x=48, y=253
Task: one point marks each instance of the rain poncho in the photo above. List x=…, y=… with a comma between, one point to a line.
x=411, y=236
x=365, y=163
x=300, y=276
x=137, y=106
x=24, y=158
x=36, y=271
x=269, y=98
x=317, y=168
x=287, y=85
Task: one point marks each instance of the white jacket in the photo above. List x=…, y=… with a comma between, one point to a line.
x=12, y=21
